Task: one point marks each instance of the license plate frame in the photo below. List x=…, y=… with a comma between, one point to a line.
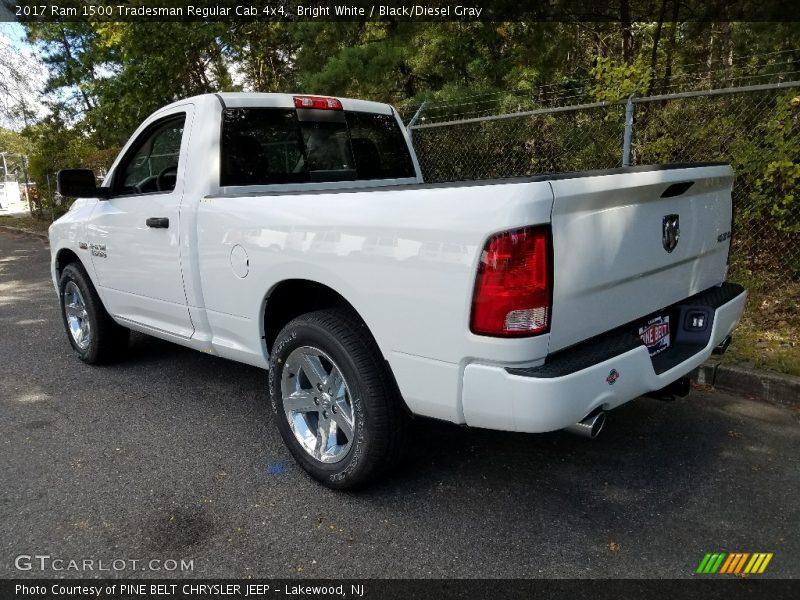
x=656, y=335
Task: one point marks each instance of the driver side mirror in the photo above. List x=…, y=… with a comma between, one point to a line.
x=80, y=183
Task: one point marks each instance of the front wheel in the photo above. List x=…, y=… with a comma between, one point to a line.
x=334, y=400
x=92, y=333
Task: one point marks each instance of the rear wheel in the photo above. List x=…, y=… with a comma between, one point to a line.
x=334, y=400
x=92, y=333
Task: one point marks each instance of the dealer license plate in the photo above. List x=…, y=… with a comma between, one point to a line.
x=655, y=334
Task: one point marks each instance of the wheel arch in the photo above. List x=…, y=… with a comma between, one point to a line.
x=66, y=256
x=291, y=298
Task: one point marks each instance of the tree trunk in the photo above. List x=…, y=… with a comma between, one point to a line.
x=656, y=41
x=627, y=34
x=712, y=47
x=671, y=46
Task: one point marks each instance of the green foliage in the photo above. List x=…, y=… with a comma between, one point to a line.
x=15, y=146
x=769, y=157
x=55, y=146
x=615, y=80
x=13, y=142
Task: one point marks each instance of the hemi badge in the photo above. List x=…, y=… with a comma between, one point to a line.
x=83, y=245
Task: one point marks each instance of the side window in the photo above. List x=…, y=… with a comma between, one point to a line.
x=261, y=147
x=152, y=165
x=379, y=148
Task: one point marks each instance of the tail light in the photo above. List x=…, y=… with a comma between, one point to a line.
x=317, y=102
x=513, y=289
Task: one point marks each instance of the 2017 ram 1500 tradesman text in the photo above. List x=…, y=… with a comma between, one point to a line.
x=295, y=233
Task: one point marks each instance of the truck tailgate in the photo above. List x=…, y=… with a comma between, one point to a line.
x=613, y=236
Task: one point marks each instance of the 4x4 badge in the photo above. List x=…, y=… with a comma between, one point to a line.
x=671, y=232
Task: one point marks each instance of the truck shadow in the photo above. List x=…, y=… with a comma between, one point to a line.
x=651, y=457
x=648, y=448
x=648, y=452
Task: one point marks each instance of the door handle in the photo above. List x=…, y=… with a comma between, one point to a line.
x=158, y=222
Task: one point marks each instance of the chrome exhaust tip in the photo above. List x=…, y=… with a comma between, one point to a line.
x=590, y=426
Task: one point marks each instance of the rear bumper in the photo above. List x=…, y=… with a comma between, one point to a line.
x=603, y=372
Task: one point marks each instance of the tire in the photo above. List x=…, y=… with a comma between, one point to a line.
x=92, y=333
x=362, y=418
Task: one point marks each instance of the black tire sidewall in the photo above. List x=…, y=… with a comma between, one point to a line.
x=78, y=276
x=351, y=470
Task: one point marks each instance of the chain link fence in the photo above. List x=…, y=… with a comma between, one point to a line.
x=541, y=141
x=755, y=128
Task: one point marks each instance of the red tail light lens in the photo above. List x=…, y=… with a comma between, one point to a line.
x=317, y=102
x=512, y=291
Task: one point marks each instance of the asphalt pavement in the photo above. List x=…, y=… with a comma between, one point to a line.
x=173, y=454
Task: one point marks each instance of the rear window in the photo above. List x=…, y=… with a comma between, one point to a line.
x=264, y=146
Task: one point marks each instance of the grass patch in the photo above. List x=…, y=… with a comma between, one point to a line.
x=26, y=222
x=768, y=337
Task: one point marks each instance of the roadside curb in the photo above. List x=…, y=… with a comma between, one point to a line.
x=760, y=385
x=42, y=236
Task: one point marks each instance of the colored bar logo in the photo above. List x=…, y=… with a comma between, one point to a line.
x=734, y=563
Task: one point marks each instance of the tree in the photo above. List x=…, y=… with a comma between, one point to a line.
x=18, y=86
x=263, y=55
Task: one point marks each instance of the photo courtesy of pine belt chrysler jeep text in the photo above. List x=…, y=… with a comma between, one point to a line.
x=295, y=233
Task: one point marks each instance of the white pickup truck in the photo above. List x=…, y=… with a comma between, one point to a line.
x=295, y=233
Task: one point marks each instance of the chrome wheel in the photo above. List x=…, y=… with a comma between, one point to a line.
x=77, y=318
x=317, y=404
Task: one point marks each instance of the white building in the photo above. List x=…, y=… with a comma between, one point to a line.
x=11, y=198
